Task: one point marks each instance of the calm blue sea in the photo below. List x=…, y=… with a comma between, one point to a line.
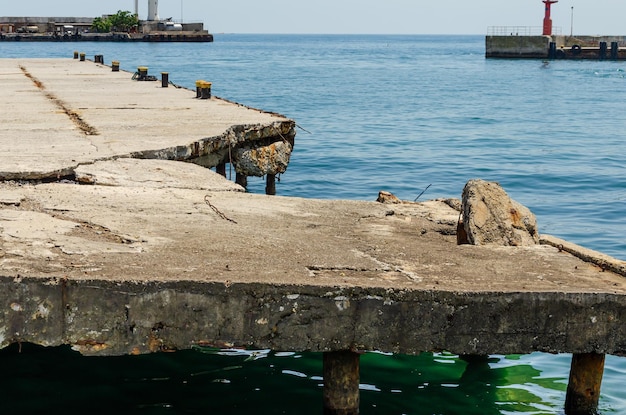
x=395, y=113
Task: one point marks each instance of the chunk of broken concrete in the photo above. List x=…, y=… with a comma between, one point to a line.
x=259, y=161
x=491, y=217
x=387, y=197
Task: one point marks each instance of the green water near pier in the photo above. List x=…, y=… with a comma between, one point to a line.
x=36, y=380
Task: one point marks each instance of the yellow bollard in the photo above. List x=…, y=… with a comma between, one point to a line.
x=199, y=88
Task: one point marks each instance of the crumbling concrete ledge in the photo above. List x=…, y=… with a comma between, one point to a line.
x=127, y=266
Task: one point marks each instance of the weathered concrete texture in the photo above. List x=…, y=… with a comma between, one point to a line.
x=155, y=174
x=65, y=113
x=517, y=46
x=271, y=159
x=135, y=268
x=490, y=216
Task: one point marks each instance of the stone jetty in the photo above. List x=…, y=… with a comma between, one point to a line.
x=114, y=242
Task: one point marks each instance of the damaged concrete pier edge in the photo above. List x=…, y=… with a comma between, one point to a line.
x=111, y=244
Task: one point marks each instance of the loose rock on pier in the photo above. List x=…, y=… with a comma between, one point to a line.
x=491, y=217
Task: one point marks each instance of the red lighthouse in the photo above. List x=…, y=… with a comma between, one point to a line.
x=547, y=21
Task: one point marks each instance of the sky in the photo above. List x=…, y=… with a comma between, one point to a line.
x=590, y=17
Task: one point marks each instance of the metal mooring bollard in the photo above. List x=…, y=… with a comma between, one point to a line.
x=341, y=383
x=143, y=72
x=75, y=54
x=206, y=90
x=583, y=388
x=165, y=79
x=115, y=66
x=199, y=88
x=82, y=57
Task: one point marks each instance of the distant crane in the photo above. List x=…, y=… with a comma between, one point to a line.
x=547, y=21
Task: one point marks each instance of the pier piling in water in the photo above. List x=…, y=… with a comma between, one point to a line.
x=341, y=383
x=221, y=169
x=241, y=180
x=270, y=184
x=585, y=380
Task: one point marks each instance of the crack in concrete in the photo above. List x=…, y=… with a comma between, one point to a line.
x=73, y=116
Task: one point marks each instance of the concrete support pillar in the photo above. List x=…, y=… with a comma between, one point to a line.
x=585, y=379
x=270, y=185
x=221, y=169
x=341, y=383
x=241, y=180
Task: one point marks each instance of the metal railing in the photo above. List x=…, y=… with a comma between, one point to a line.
x=519, y=31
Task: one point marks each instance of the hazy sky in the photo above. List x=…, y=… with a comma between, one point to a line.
x=606, y=17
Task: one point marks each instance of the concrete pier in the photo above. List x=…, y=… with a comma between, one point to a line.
x=515, y=46
x=113, y=245
x=60, y=114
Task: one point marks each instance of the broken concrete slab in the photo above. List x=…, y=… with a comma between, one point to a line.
x=126, y=172
x=285, y=273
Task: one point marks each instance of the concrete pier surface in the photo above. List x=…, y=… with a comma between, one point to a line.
x=124, y=248
x=61, y=113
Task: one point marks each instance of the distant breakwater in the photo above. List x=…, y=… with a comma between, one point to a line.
x=109, y=37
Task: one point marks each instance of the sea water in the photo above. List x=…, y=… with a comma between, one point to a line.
x=395, y=113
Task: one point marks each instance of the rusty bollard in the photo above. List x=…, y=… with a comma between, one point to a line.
x=115, y=66
x=82, y=57
x=165, y=79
